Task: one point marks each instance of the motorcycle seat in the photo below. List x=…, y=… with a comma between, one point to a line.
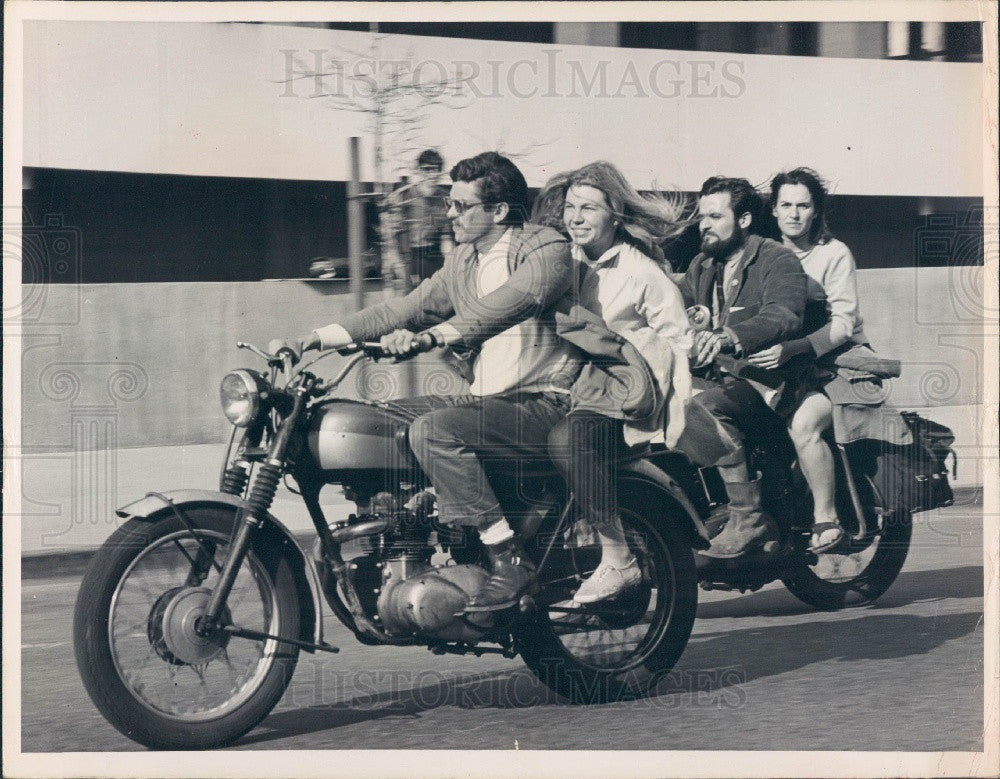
x=547, y=468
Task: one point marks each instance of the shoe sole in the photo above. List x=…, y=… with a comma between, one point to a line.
x=483, y=609
x=768, y=547
x=507, y=604
x=828, y=547
x=614, y=594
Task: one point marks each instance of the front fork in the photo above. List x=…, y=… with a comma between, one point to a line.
x=258, y=504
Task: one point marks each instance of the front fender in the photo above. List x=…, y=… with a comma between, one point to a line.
x=154, y=507
x=645, y=471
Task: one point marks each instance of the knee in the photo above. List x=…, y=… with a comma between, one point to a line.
x=804, y=431
x=417, y=436
x=426, y=430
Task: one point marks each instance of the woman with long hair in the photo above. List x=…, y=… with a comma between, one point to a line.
x=834, y=325
x=616, y=235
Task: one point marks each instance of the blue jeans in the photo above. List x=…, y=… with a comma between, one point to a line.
x=454, y=437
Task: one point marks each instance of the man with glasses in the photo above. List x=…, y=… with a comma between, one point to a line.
x=492, y=301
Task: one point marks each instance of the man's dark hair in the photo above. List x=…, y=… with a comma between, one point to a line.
x=499, y=182
x=429, y=158
x=742, y=196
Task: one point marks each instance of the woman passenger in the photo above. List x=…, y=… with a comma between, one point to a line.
x=833, y=321
x=615, y=234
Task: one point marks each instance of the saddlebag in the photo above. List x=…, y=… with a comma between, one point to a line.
x=913, y=477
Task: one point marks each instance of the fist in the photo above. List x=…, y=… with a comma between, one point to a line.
x=399, y=342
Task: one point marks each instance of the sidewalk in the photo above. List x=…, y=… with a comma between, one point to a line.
x=69, y=498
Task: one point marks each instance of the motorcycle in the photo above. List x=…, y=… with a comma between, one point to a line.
x=190, y=619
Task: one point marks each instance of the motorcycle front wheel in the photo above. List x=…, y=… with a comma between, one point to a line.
x=617, y=649
x=860, y=571
x=144, y=666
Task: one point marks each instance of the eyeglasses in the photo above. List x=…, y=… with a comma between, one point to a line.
x=459, y=206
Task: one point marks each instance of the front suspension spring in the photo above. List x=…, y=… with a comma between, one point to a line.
x=234, y=480
x=264, y=488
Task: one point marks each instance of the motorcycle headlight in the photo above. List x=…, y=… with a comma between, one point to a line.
x=240, y=394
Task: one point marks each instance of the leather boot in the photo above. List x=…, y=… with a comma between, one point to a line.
x=748, y=528
x=512, y=574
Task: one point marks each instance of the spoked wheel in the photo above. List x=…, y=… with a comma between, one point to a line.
x=619, y=648
x=858, y=572
x=144, y=664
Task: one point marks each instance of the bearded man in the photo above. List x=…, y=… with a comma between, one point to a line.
x=755, y=290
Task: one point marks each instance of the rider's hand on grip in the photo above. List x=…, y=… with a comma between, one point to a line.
x=400, y=343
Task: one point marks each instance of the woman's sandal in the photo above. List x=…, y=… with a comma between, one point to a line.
x=817, y=533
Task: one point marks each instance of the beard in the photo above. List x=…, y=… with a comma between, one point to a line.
x=721, y=249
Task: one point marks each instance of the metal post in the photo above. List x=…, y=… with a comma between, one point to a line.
x=356, y=225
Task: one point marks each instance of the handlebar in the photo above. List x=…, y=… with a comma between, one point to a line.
x=286, y=355
x=422, y=343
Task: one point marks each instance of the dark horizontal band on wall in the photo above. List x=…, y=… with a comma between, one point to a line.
x=100, y=227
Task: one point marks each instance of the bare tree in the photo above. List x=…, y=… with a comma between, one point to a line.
x=397, y=99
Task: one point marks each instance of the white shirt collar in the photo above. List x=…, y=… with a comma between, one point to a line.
x=610, y=254
x=499, y=249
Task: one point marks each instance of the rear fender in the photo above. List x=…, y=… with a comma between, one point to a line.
x=152, y=508
x=645, y=472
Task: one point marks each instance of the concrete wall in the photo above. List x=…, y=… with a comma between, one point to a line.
x=141, y=365
x=129, y=365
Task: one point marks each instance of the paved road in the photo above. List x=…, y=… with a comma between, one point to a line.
x=761, y=671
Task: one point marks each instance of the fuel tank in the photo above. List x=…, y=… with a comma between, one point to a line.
x=352, y=436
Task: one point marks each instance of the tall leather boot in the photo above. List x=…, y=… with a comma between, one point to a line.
x=748, y=528
x=512, y=574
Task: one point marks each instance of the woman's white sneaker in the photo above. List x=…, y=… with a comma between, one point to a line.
x=608, y=581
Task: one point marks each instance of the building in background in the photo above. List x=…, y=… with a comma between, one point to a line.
x=153, y=226
x=165, y=174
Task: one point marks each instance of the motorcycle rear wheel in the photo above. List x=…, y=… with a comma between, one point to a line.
x=857, y=574
x=618, y=649
x=146, y=670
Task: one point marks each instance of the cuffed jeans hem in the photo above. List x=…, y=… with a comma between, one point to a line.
x=459, y=515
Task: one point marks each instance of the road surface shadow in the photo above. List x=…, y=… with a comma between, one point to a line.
x=500, y=690
x=910, y=587
x=711, y=662
x=776, y=649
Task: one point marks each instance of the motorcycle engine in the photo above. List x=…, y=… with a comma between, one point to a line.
x=396, y=579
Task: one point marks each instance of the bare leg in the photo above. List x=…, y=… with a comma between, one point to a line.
x=815, y=458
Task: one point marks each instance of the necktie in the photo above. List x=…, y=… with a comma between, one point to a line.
x=720, y=297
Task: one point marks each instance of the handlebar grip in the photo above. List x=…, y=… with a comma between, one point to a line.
x=426, y=341
x=423, y=342
x=282, y=348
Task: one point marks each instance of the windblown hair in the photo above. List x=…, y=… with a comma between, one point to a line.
x=819, y=231
x=500, y=181
x=742, y=196
x=645, y=221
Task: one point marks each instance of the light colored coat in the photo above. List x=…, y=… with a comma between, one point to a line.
x=638, y=302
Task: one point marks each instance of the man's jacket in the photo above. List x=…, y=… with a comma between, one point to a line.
x=764, y=304
x=541, y=273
